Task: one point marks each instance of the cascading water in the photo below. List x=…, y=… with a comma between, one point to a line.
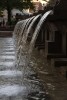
x=34, y=37
x=20, y=45
x=19, y=51
x=25, y=35
x=35, y=34
x=19, y=38
x=16, y=32
x=22, y=52
x=24, y=23
x=26, y=26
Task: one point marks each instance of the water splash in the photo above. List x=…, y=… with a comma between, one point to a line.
x=21, y=47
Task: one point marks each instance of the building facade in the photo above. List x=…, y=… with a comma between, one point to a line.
x=39, y=4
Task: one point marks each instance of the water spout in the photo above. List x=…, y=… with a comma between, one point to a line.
x=25, y=35
x=37, y=30
x=20, y=46
x=27, y=25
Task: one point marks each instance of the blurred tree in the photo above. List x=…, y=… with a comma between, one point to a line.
x=10, y=4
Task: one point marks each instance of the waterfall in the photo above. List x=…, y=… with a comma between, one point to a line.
x=21, y=32
x=16, y=32
x=25, y=35
x=20, y=46
x=36, y=32
x=19, y=37
x=22, y=29
x=26, y=28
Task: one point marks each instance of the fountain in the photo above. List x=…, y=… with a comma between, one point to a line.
x=24, y=48
x=25, y=35
x=24, y=31
x=19, y=40
x=34, y=37
x=21, y=32
x=17, y=29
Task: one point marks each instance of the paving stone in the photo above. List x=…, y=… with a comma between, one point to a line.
x=7, y=57
x=7, y=64
x=7, y=53
x=10, y=73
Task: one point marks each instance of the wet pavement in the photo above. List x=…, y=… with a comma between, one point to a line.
x=18, y=83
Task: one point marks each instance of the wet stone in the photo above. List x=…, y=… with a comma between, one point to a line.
x=7, y=64
x=7, y=53
x=36, y=96
x=17, y=82
x=7, y=57
x=10, y=73
x=33, y=76
x=7, y=48
x=12, y=90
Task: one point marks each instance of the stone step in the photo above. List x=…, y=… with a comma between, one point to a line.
x=53, y=47
x=7, y=47
x=7, y=50
x=6, y=33
x=14, y=84
x=3, y=53
x=40, y=46
x=7, y=64
x=12, y=91
x=60, y=62
x=10, y=73
x=58, y=55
